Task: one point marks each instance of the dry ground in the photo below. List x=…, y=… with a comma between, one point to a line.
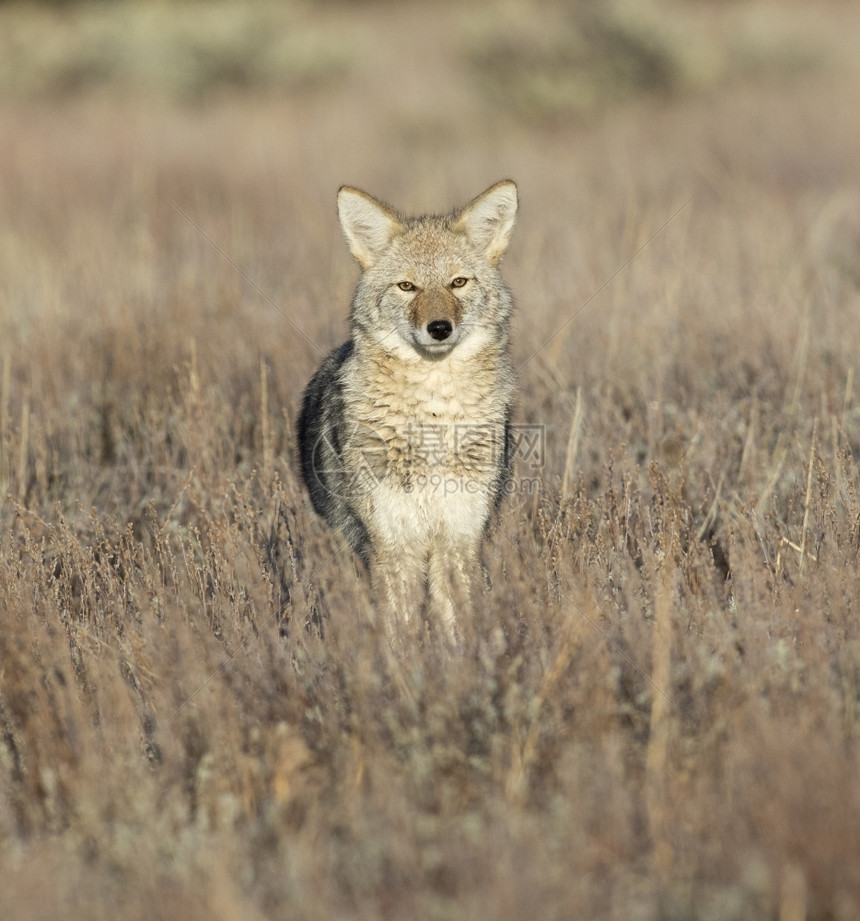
x=656, y=714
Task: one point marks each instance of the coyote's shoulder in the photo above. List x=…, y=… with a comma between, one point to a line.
x=403, y=432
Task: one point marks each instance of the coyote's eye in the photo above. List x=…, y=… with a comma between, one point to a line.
x=459, y=282
x=406, y=286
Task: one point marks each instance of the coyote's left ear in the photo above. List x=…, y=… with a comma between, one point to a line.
x=489, y=219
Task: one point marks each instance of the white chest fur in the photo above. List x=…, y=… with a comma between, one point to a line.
x=430, y=440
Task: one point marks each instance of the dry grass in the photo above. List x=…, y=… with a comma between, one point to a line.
x=656, y=714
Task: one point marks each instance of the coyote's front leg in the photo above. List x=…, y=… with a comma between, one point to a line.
x=451, y=573
x=400, y=583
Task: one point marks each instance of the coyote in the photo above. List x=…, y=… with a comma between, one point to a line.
x=404, y=431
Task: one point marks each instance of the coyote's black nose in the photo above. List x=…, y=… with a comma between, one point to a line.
x=439, y=329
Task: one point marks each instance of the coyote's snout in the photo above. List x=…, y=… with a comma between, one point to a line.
x=435, y=315
x=404, y=430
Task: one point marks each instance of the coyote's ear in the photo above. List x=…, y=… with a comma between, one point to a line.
x=489, y=219
x=368, y=225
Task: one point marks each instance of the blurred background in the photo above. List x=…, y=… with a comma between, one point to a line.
x=379, y=80
x=250, y=115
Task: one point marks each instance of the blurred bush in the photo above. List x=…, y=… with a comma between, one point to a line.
x=183, y=50
x=533, y=58
x=586, y=54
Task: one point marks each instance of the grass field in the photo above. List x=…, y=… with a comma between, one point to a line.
x=656, y=713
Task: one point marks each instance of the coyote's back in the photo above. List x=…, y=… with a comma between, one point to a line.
x=404, y=429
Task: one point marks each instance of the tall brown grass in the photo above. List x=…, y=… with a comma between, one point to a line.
x=655, y=712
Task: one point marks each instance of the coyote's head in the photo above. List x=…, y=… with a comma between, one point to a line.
x=430, y=284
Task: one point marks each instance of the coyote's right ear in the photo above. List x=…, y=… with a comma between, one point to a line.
x=368, y=224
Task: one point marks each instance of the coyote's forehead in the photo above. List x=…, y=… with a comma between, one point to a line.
x=432, y=242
